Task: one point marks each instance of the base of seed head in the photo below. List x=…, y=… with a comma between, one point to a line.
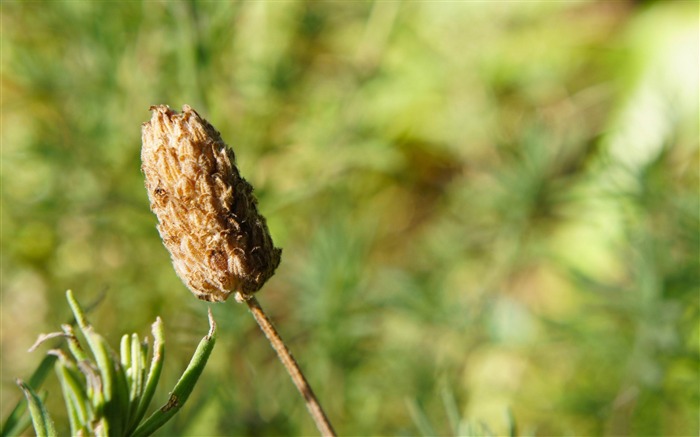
x=207, y=214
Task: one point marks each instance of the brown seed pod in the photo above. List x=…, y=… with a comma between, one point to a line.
x=207, y=213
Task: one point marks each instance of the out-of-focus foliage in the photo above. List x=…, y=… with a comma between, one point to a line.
x=489, y=210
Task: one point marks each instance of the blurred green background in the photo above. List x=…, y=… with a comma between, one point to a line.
x=489, y=210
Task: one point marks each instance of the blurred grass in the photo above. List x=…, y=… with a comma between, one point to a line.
x=484, y=206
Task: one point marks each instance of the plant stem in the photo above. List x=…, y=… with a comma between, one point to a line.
x=322, y=423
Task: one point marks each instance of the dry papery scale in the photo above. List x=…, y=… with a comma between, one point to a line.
x=209, y=222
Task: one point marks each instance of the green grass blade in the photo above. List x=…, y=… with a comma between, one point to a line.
x=43, y=425
x=184, y=386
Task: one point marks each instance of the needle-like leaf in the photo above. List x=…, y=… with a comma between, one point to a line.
x=43, y=424
x=184, y=386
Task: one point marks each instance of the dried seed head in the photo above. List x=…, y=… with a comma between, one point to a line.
x=207, y=214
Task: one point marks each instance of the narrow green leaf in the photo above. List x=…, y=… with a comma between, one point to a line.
x=144, y=358
x=153, y=373
x=420, y=418
x=125, y=350
x=18, y=421
x=95, y=390
x=69, y=398
x=73, y=344
x=101, y=428
x=512, y=424
x=98, y=347
x=184, y=386
x=451, y=408
x=93, y=381
x=43, y=425
x=78, y=312
x=121, y=399
x=76, y=390
x=136, y=374
x=114, y=387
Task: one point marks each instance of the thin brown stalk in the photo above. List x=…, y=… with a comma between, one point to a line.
x=322, y=423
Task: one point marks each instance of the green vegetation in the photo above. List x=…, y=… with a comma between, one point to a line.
x=105, y=393
x=489, y=211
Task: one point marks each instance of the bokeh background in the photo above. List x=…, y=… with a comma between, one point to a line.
x=489, y=210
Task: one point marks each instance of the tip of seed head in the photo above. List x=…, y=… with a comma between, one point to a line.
x=159, y=108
